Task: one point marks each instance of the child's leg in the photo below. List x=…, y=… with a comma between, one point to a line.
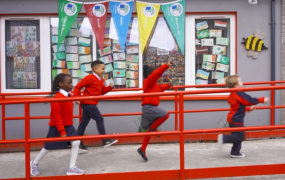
x=84, y=121
x=145, y=142
x=74, y=153
x=237, y=144
x=41, y=154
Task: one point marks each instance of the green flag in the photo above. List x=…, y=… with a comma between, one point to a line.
x=67, y=12
x=175, y=17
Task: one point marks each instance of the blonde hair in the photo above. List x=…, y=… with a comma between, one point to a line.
x=232, y=80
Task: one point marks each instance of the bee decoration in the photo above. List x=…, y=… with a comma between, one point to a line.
x=254, y=44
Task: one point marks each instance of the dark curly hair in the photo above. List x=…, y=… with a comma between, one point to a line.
x=147, y=70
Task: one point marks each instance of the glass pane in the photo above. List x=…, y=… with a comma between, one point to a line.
x=121, y=67
x=22, y=39
x=74, y=55
x=212, y=50
x=162, y=48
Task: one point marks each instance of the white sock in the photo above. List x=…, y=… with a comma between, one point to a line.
x=74, y=152
x=41, y=154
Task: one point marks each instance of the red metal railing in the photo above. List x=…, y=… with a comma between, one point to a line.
x=181, y=173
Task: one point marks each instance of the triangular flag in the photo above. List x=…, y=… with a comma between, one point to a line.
x=147, y=14
x=67, y=12
x=175, y=17
x=97, y=14
x=121, y=13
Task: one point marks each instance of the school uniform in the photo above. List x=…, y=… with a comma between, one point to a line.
x=239, y=102
x=61, y=121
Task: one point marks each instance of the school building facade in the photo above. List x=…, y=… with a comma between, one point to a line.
x=216, y=36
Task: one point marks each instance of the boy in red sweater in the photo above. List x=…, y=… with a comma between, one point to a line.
x=61, y=125
x=152, y=115
x=240, y=102
x=94, y=86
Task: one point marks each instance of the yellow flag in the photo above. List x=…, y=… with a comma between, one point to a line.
x=147, y=14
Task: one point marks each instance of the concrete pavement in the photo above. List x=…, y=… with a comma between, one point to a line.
x=124, y=158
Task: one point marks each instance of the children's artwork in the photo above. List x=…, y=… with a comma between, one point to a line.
x=83, y=74
x=209, y=58
x=201, y=81
x=197, y=42
x=75, y=73
x=72, y=57
x=222, y=41
x=85, y=59
x=83, y=50
x=202, y=25
x=202, y=74
x=72, y=49
x=223, y=59
x=132, y=58
x=132, y=83
x=107, y=42
x=215, y=32
x=119, y=73
x=54, y=39
x=218, y=75
x=119, y=81
x=132, y=74
x=71, y=41
x=207, y=42
x=208, y=66
x=203, y=33
x=85, y=67
x=58, y=64
x=120, y=64
x=84, y=41
x=84, y=33
x=202, y=50
x=132, y=66
x=75, y=81
x=75, y=24
x=220, y=24
x=106, y=51
x=55, y=72
x=132, y=49
x=119, y=56
x=221, y=81
x=219, y=50
x=60, y=49
x=59, y=55
x=54, y=31
x=106, y=59
x=222, y=67
x=162, y=52
x=73, y=32
x=72, y=65
x=108, y=82
x=116, y=48
x=108, y=68
x=116, y=41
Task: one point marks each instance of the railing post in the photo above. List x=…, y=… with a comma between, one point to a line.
x=181, y=128
x=27, y=137
x=3, y=119
x=272, y=118
x=176, y=111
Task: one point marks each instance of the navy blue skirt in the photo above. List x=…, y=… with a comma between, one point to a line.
x=53, y=132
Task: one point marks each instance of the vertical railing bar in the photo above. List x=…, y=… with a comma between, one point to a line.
x=3, y=119
x=27, y=137
x=272, y=122
x=181, y=128
x=176, y=111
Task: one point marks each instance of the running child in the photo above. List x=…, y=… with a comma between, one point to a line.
x=240, y=102
x=60, y=125
x=152, y=115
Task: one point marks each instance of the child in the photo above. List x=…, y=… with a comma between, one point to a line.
x=240, y=102
x=61, y=125
x=152, y=115
x=94, y=86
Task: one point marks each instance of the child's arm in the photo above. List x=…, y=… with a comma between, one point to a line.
x=247, y=100
x=57, y=118
x=156, y=74
x=107, y=89
x=164, y=87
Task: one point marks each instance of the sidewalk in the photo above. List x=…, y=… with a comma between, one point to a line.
x=124, y=158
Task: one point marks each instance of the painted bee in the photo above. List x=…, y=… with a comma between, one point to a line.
x=254, y=44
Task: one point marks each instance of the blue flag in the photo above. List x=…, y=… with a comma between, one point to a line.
x=121, y=13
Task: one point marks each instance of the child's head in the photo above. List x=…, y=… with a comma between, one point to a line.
x=147, y=70
x=233, y=81
x=98, y=67
x=62, y=81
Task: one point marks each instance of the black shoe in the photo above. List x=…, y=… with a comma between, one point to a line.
x=109, y=142
x=142, y=154
x=82, y=148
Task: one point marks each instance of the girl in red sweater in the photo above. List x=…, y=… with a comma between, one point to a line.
x=152, y=115
x=60, y=125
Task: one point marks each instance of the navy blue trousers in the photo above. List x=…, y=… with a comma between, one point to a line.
x=236, y=138
x=91, y=111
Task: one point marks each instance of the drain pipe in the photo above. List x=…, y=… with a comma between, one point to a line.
x=272, y=23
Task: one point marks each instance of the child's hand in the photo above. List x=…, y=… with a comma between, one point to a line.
x=170, y=63
x=266, y=100
x=63, y=135
x=111, y=85
x=251, y=108
x=77, y=102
